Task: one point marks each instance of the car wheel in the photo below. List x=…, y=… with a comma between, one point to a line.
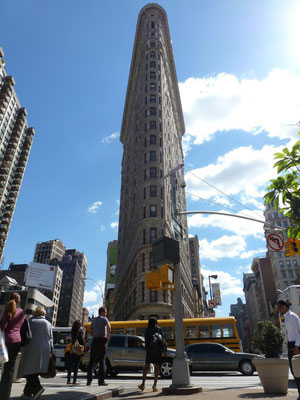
x=166, y=368
x=246, y=367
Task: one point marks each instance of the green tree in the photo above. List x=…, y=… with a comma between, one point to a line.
x=268, y=339
x=285, y=188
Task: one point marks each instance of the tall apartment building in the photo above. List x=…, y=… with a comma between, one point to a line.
x=285, y=269
x=73, y=266
x=151, y=135
x=199, y=293
x=252, y=302
x=238, y=311
x=15, y=144
x=47, y=251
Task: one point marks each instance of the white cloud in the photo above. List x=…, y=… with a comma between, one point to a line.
x=235, y=225
x=224, y=102
x=94, y=207
x=93, y=298
x=253, y=253
x=242, y=269
x=114, y=225
x=102, y=228
x=243, y=171
x=223, y=247
x=229, y=284
x=110, y=138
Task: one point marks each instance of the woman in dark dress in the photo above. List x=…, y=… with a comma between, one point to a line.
x=153, y=352
x=76, y=333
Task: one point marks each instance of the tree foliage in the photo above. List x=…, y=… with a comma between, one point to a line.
x=285, y=188
x=268, y=339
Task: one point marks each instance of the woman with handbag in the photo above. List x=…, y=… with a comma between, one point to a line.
x=11, y=322
x=76, y=351
x=36, y=354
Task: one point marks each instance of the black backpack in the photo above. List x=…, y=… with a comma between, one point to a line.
x=157, y=342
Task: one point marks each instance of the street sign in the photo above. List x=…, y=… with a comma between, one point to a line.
x=275, y=241
x=212, y=304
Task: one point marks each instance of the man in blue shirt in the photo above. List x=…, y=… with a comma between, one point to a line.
x=100, y=330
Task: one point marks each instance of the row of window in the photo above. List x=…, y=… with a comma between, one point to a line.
x=153, y=192
x=152, y=75
x=152, y=111
x=153, y=141
x=153, y=126
x=152, y=156
x=152, y=236
x=288, y=263
x=152, y=86
x=290, y=272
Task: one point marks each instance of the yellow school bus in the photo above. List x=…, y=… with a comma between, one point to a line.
x=196, y=330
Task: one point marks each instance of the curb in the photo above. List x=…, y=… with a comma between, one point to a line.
x=103, y=395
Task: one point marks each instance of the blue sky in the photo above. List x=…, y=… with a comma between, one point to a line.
x=238, y=69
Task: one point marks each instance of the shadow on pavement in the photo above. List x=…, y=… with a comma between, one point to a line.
x=260, y=396
x=70, y=394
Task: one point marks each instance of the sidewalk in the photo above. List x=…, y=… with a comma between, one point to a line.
x=94, y=392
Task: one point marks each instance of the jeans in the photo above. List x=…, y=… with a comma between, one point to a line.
x=8, y=370
x=33, y=384
x=291, y=345
x=73, y=366
x=97, y=355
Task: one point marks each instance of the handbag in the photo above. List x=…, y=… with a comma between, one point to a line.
x=51, y=368
x=77, y=348
x=3, y=349
x=25, y=331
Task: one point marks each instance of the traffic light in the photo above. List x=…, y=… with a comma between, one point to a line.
x=167, y=274
x=153, y=280
x=292, y=247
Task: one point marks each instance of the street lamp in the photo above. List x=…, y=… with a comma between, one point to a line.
x=214, y=277
x=101, y=290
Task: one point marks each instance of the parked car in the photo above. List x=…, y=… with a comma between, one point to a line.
x=216, y=357
x=127, y=353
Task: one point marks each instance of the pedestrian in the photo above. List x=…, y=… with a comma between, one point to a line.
x=36, y=354
x=11, y=322
x=77, y=339
x=100, y=331
x=155, y=346
x=292, y=324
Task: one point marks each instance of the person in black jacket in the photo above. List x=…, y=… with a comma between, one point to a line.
x=155, y=345
x=76, y=334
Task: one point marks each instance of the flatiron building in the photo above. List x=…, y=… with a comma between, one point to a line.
x=15, y=144
x=151, y=134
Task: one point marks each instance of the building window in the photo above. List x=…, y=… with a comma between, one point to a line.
x=153, y=235
x=153, y=191
x=144, y=236
x=145, y=100
x=288, y=263
x=153, y=139
x=153, y=173
x=152, y=110
x=143, y=262
x=283, y=274
x=145, y=158
x=152, y=64
x=152, y=75
x=295, y=263
x=152, y=155
x=161, y=212
x=152, y=54
x=152, y=25
x=281, y=264
x=152, y=98
x=144, y=212
x=152, y=44
x=291, y=274
x=145, y=142
x=145, y=175
x=142, y=292
x=162, y=193
x=150, y=260
x=153, y=296
x=152, y=86
x=146, y=113
x=153, y=211
x=152, y=124
x=144, y=193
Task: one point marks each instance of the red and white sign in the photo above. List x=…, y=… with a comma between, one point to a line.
x=40, y=276
x=212, y=304
x=275, y=241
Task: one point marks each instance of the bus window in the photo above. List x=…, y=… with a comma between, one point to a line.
x=118, y=331
x=129, y=331
x=140, y=332
x=64, y=338
x=203, y=331
x=168, y=332
x=227, y=330
x=55, y=336
x=191, y=331
x=216, y=331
